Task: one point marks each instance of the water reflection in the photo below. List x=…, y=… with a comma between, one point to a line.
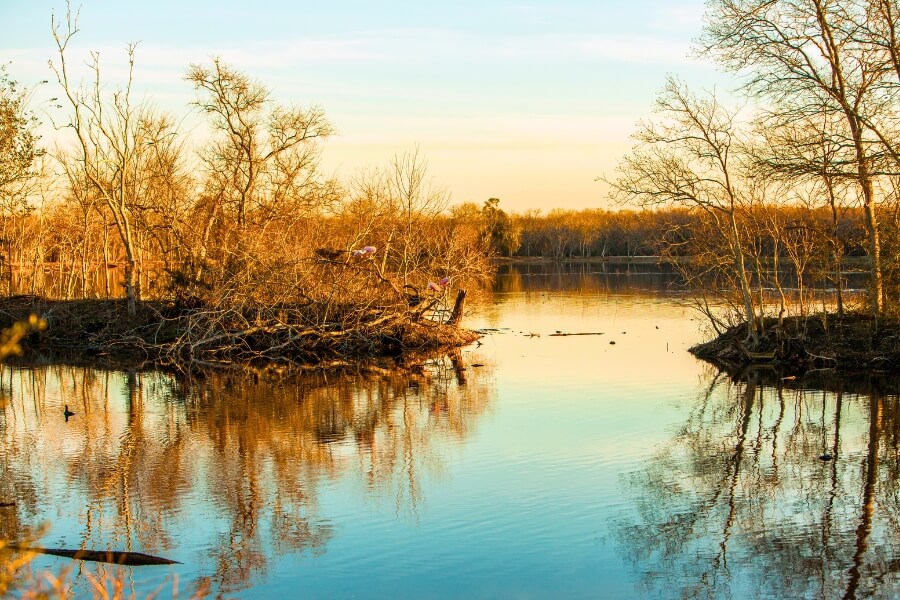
x=772, y=489
x=566, y=466
x=647, y=277
x=223, y=473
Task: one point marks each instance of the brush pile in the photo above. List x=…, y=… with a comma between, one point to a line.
x=190, y=333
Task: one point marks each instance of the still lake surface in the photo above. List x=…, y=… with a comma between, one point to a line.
x=532, y=465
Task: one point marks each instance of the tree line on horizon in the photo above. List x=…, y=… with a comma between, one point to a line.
x=627, y=233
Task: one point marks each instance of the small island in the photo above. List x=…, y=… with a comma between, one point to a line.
x=852, y=343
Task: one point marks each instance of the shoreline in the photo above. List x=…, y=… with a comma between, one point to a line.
x=170, y=336
x=852, y=343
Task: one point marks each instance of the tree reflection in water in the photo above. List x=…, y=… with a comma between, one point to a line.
x=741, y=503
x=229, y=466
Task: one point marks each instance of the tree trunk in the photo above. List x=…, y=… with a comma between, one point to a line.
x=457, y=313
x=749, y=313
x=106, y=257
x=865, y=183
x=129, y=287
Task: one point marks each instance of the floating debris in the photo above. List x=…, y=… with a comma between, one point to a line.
x=561, y=334
x=134, y=559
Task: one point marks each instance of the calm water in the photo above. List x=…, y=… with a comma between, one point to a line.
x=531, y=466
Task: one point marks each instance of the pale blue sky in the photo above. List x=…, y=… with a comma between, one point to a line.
x=525, y=101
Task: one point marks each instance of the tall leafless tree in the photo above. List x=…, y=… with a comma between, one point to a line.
x=803, y=57
x=690, y=157
x=106, y=130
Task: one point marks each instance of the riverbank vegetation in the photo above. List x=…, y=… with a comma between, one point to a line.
x=234, y=248
x=238, y=246
x=817, y=137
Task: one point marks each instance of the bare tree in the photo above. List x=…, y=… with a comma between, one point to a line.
x=809, y=154
x=691, y=157
x=107, y=139
x=261, y=166
x=803, y=57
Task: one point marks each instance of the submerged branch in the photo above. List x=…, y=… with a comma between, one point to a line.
x=132, y=559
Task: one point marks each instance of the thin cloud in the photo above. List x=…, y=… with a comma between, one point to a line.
x=680, y=17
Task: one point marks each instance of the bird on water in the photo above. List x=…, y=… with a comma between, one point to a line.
x=68, y=413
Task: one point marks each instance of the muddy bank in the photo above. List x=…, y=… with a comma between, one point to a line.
x=170, y=334
x=852, y=343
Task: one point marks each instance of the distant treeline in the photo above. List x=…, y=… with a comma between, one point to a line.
x=598, y=233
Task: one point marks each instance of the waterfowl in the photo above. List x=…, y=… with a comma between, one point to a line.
x=68, y=413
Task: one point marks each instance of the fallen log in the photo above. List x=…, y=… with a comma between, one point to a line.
x=131, y=559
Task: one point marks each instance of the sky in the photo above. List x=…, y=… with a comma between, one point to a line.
x=524, y=101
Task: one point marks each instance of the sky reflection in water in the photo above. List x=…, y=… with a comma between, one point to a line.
x=563, y=466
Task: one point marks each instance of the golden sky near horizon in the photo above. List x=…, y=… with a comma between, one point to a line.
x=525, y=101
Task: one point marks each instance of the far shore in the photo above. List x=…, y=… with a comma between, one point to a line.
x=851, y=263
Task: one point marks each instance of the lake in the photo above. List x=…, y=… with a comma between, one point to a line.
x=577, y=451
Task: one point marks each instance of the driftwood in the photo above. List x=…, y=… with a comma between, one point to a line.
x=131, y=559
x=561, y=334
x=755, y=357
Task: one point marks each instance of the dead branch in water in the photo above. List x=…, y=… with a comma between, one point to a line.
x=561, y=334
x=131, y=559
